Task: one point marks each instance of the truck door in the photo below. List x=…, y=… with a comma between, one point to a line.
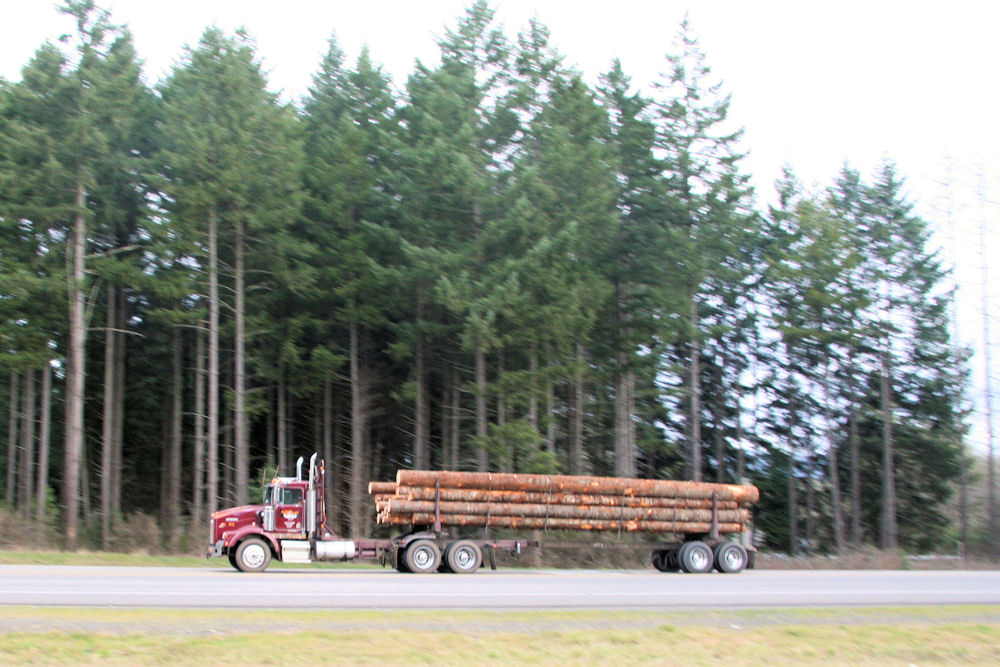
x=289, y=516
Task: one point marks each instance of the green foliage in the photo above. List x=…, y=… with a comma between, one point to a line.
x=595, y=256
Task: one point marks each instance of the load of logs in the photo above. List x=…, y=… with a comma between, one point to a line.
x=562, y=502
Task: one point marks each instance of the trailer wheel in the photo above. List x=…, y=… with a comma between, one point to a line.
x=422, y=556
x=695, y=557
x=730, y=557
x=253, y=555
x=463, y=557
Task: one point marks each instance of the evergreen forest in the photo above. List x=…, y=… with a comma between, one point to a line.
x=496, y=266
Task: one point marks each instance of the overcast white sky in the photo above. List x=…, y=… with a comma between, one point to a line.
x=813, y=84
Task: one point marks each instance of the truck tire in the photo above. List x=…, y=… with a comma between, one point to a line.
x=253, y=555
x=696, y=557
x=463, y=557
x=422, y=556
x=665, y=560
x=730, y=557
x=399, y=560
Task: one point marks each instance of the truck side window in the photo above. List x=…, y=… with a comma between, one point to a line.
x=291, y=496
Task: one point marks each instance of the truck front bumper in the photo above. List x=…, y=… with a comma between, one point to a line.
x=215, y=550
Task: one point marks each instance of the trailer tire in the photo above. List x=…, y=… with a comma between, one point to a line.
x=665, y=560
x=730, y=557
x=463, y=557
x=671, y=561
x=696, y=557
x=422, y=556
x=252, y=555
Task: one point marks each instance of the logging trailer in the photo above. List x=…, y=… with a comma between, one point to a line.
x=291, y=524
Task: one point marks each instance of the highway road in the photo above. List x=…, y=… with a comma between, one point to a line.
x=222, y=587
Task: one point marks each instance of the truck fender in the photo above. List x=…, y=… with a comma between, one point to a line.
x=254, y=531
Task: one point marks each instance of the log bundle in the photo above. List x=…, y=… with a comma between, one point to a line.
x=562, y=502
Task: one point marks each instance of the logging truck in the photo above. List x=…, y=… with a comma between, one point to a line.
x=699, y=527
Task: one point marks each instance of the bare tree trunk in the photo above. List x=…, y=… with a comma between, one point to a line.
x=13, y=418
x=482, y=456
x=198, y=484
x=85, y=506
x=623, y=419
x=834, y=467
x=810, y=506
x=339, y=478
x=422, y=416
x=241, y=468
x=444, y=415
x=76, y=372
x=793, y=510
x=108, y=417
x=422, y=427
x=271, y=426
x=550, y=413
x=212, y=499
x=45, y=428
x=176, y=430
x=718, y=407
x=855, y=443
x=533, y=396
x=694, y=395
x=27, y=445
x=991, y=485
x=118, y=439
x=509, y=461
x=282, y=425
x=741, y=458
x=455, y=421
x=889, y=537
x=624, y=390
x=358, y=430
x=328, y=451
x=576, y=465
x=228, y=485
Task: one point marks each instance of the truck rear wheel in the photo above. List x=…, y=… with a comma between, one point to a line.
x=695, y=557
x=463, y=557
x=665, y=560
x=253, y=555
x=730, y=557
x=422, y=556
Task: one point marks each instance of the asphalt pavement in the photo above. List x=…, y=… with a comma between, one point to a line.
x=222, y=587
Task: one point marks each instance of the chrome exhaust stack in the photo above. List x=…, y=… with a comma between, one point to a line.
x=311, y=498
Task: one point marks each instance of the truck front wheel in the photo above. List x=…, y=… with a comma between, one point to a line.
x=253, y=555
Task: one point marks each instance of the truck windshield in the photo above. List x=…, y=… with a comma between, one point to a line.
x=279, y=495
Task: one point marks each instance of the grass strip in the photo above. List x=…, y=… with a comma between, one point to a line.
x=899, y=635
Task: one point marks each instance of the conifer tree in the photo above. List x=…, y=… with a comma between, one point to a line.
x=709, y=209
x=232, y=165
x=352, y=131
